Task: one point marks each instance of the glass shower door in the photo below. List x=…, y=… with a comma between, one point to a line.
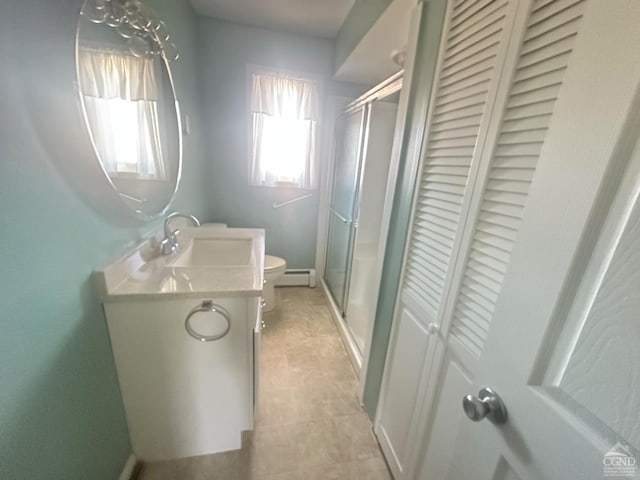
x=342, y=204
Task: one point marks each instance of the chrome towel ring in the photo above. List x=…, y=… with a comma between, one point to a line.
x=207, y=306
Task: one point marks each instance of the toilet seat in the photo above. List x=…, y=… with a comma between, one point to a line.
x=272, y=264
x=274, y=268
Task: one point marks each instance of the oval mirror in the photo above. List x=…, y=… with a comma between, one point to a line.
x=128, y=101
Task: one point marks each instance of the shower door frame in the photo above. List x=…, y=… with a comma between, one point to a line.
x=395, y=83
x=364, y=110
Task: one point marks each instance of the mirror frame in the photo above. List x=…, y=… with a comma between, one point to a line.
x=136, y=213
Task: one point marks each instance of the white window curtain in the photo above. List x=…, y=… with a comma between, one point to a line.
x=284, y=114
x=121, y=100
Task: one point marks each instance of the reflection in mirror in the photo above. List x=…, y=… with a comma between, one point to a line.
x=121, y=101
x=129, y=102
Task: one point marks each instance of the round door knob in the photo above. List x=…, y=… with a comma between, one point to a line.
x=487, y=404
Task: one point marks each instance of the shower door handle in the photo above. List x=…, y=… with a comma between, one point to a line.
x=343, y=219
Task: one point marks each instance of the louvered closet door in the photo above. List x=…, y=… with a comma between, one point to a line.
x=473, y=42
x=502, y=67
x=551, y=30
x=467, y=70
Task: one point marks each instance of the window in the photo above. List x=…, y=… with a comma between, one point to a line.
x=284, y=117
x=121, y=101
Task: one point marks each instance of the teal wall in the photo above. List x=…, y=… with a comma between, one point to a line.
x=226, y=50
x=421, y=82
x=61, y=415
x=360, y=19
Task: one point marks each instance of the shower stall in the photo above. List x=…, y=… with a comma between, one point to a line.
x=359, y=202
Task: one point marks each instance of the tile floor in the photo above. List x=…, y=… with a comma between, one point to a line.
x=310, y=425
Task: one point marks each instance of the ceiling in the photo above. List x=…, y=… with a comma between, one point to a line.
x=320, y=18
x=370, y=61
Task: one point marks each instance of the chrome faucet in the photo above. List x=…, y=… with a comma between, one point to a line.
x=170, y=243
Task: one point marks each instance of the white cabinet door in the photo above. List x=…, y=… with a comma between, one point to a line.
x=255, y=312
x=561, y=345
x=183, y=397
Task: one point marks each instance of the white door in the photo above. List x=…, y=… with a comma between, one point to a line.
x=562, y=347
x=500, y=68
x=529, y=96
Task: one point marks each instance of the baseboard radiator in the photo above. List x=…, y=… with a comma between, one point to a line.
x=297, y=278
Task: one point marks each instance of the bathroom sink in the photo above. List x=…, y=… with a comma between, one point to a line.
x=214, y=252
x=211, y=262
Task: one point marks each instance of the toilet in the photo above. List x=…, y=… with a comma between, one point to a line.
x=274, y=268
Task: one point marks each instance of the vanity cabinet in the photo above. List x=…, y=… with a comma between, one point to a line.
x=183, y=396
x=185, y=334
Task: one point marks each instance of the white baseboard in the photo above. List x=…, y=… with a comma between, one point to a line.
x=127, y=471
x=297, y=278
x=389, y=453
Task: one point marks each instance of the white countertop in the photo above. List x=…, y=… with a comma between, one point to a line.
x=143, y=273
